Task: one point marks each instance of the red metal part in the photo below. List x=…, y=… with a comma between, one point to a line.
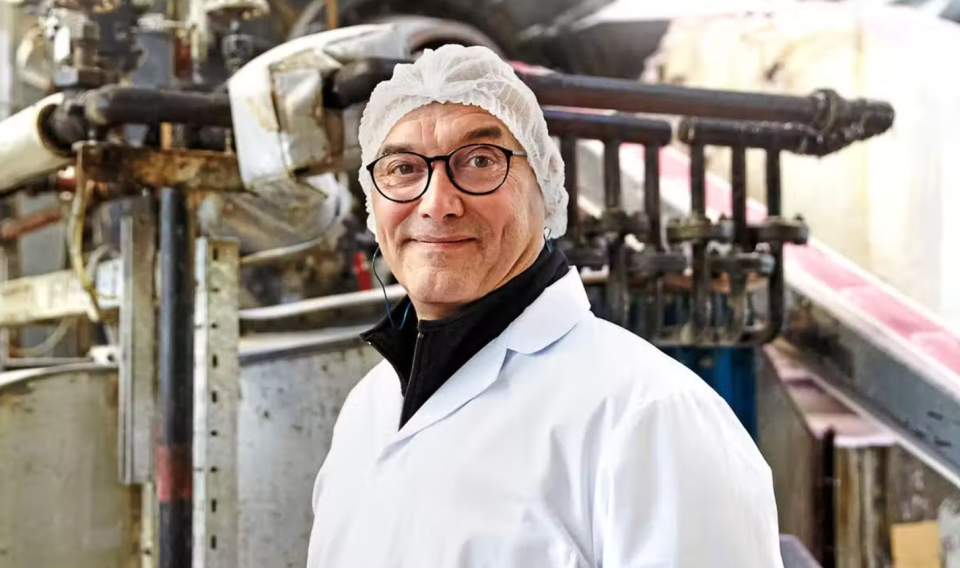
x=12, y=229
x=361, y=267
x=174, y=472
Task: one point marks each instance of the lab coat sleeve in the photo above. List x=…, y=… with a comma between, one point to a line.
x=682, y=485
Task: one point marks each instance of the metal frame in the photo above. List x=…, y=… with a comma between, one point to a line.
x=216, y=405
x=138, y=356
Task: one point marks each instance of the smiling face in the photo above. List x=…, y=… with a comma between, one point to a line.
x=449, y=248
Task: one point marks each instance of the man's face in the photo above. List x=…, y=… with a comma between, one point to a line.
x=449, y=248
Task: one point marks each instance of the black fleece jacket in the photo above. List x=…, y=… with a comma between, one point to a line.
x=427, y=353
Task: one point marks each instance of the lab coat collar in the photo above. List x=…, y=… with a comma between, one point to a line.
x=546, y=320
x=550, y=317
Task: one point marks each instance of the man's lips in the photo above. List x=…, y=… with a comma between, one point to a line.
x=453, y=240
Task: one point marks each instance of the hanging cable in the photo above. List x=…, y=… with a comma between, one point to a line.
x=386, y=301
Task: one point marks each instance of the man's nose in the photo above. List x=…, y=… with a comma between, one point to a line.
x=442, y=199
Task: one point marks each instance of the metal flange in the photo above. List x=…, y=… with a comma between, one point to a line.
x=780, y=230
x=699, y=229
x=743, y=264
x=657, y=263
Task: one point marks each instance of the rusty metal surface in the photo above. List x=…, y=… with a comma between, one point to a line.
x=292, y=394
x=863, y=529
x=878, y=482
x=62, y=504
x=189, y=170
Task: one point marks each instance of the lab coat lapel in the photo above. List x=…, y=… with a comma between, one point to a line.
x=473, y=378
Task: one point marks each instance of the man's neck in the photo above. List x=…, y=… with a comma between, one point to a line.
x=427, y=353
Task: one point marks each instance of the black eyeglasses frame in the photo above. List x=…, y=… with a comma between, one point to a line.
x=446, y=162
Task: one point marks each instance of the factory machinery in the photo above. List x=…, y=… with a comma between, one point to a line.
x=219, y=276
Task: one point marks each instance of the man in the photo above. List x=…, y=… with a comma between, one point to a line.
x=508, y=426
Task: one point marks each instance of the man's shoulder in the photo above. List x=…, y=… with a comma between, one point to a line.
x=620, y=359
x=642, y=391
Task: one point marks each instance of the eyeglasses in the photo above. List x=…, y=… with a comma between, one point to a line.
x=475, y=169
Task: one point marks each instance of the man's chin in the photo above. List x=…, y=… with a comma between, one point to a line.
x=440, y=288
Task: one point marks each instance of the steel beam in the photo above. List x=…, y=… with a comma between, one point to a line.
x=138, y=366
x=216, y=507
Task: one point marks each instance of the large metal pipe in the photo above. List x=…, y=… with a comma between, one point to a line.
x=620, y=126
x=26, y=150
x=174, y=458
x=825, y=109
x=113, y=105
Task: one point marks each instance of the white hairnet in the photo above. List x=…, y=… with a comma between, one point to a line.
x=474, y=76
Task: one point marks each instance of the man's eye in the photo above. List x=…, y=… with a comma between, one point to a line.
x=403, y=169
x=480, y=161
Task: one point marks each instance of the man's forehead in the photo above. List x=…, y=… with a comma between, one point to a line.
x=444, y=125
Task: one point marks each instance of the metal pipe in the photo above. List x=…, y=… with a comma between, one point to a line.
x=738, y=205
x=11, y=229
x=350, y=300
x=773, y=182
x=611, y=174
x=698, y=181
x=651, y=196
x=27, y=150
x=616, y=289
x=568, y=151
x=700, y=263
x=653, y=288
x=737, y=298
x=174, y=459
x=114, y=105
x=323, y=304
x=354, y=82
x=816, y=110
x=620, y=126
x=797, y=138
x=777, y=287
x=35, y=362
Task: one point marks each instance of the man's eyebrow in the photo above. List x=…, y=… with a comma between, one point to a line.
x=475, y=135
x=395, y=149
x=483, y=133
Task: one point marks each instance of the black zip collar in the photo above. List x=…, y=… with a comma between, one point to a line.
x=425, y=354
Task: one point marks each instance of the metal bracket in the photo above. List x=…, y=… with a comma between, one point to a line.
x=216, y=404
x=138, y=358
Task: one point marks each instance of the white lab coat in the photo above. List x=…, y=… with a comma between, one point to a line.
x=565, y=442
